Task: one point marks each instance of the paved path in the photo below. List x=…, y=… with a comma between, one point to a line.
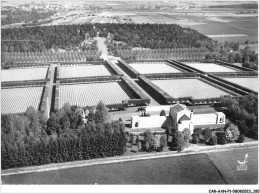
x=101, y=45
x=153, y=101
x=50, y=86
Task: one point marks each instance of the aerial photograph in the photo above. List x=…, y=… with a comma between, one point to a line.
x=139, y=92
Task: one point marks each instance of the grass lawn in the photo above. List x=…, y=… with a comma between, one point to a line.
x=212, y=168
x=228, y=165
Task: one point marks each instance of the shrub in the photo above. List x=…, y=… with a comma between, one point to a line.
x=132, y=139
x=221, y=138
x=156, y=141
x=148, y=135
x=102, y=115
x=127, y=135
x=178, y=141
x=139, y=145
x=162, y=113
x=241, y=138
x=232, y=132
x=137, y=140
x=197, y=131
x=163, y=142
x=213, y=140
x=147, y=146
x=186, y=135
x=195, y=138
x=207, y=133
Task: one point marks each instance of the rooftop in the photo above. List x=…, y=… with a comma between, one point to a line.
x=179, y=107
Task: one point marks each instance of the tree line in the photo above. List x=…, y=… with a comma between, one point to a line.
x=243, y=112
x=31, y=139
x=192, y=54
x=246, y=56
x=135, y=35
x=48, y=56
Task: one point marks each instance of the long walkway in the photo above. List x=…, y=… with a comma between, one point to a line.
x=101, y=45
x=50, y=87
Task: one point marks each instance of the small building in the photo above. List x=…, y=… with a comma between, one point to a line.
x=181, y=118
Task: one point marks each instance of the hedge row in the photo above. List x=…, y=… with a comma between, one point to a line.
x=113, y=68
x=158, y=94
x=142, y=98
x=128, y=69
x=43, y=104
x=233, y=88
x=90, y=79
x=171, y=75
x=186, y=67
x=236, y=74
x=233, y=66
x=19, y=65
x=28, y=83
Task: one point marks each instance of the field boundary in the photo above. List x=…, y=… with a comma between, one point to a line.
x=157, y=93
x=43, y=102
x=117, y=159
x=165, y=98
x=233, y=66
x=113, y=68
x=24, y=65
x=27, y=83
x=232, y=86
x=128, y=69
x=144, y=99
x=171, y=75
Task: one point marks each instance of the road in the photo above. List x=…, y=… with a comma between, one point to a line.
x=101, y=45
x=205, y=168
x=103, y=48
x=50, y=87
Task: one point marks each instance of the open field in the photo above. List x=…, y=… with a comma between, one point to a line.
x=227, y=163
x=84, y=71
x=149, y=68
x=248, y=82
x=17, y=100
x=246, y=27
x=90, y=94
x=207, y=168
x=196, y=88
x=23, y=74
x=210, y=67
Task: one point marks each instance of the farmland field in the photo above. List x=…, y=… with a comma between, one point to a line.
x=247, y=26
x=84, y=71
x=149, y=68
x=210, y=67
x=91, y=93
x=196, y=88
x=248, y=82
x=23, y=74
x=17, y=100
